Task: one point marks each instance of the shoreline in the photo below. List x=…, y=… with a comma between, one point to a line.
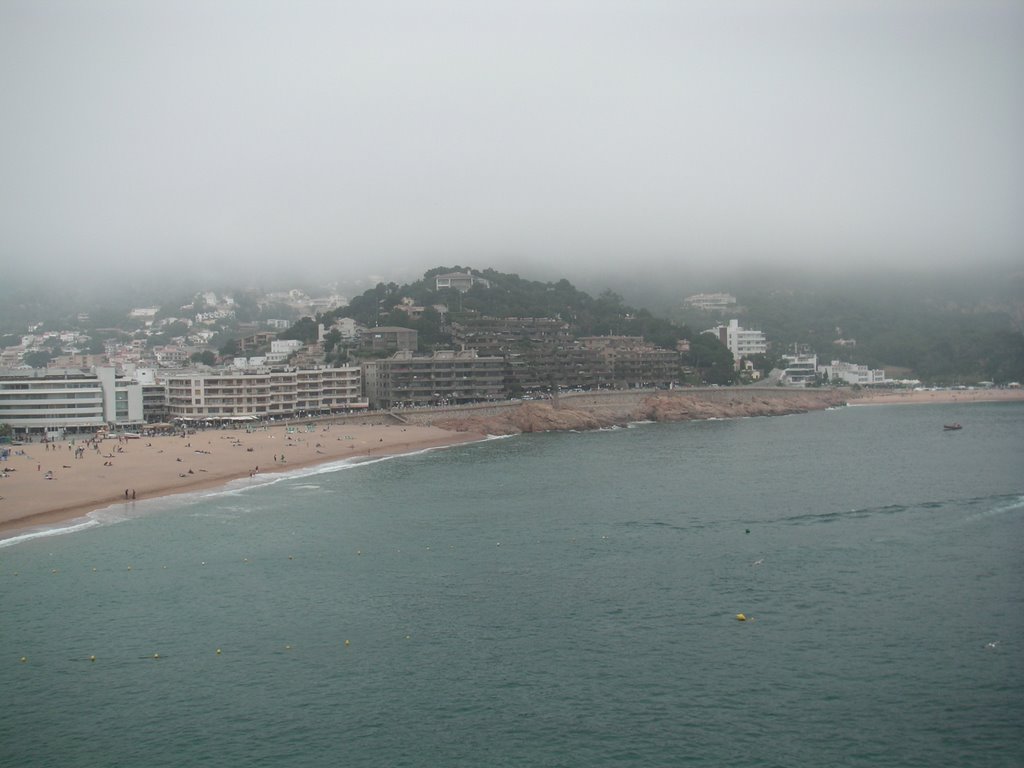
x=938, y=397
x=90, y=477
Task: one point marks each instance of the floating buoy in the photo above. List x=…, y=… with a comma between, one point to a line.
x=747, y=531
x=346, y=643
x=740, y=617
x=53, y=570
x=218, y=651
x=92, y=658
x=287, y=647
x=156, y=655
x=290, y=557
x=24, y=659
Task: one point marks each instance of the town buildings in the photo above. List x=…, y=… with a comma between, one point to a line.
x=460, y=281
x=851, y=373
x=263, y=393
x=742, y=342
x=56, y=400
x=443, y=377
x=497, y=335
x=711, y=302
x=801, y=370
x=389, y=339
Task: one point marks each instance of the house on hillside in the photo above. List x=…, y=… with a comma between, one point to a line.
x=460, y=281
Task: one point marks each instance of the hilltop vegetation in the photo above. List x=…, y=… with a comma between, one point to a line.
x=952, y=332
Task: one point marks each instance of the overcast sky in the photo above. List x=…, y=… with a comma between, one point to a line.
x=387, y=137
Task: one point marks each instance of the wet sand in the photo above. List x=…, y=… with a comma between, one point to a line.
x=117, y=471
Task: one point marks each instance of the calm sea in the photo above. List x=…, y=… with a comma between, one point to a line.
x=549, y=600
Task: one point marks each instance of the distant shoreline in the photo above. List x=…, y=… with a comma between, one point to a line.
x=115, y=472
x=941, y=396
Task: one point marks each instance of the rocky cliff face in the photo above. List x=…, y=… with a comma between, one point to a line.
x=667, y=406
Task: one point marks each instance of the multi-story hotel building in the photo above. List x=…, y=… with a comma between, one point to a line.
x=441, y=378
x=55, y=400
x=498, y=335
x=742, y=342
x=260, y=394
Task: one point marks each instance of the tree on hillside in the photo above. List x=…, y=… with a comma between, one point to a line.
x=37, y=359
x=306, y=330
x=710, y=359
x=206, y=357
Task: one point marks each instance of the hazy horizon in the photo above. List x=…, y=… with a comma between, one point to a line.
x=567, y=138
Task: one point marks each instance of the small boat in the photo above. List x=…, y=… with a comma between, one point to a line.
x=951, y=426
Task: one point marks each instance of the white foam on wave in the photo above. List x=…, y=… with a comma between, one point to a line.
x=1014, y=505
x=71, y=527
x=122, y=511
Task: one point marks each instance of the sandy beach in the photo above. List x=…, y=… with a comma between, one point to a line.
x=49, y=484
x=937, y=397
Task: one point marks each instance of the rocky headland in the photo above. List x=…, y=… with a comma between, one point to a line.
x=596, y=410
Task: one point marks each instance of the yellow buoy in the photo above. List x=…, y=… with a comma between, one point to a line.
x=218, y=651
x=92, y=658
x=24, y=659
x=156, y=655
x=740, y=617
x=346, y=643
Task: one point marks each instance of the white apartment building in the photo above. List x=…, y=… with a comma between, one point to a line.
x=800, y=370
x=742, y=342
x=55, y=400
x=851, y=373
x=281, y=349
x=262, y=393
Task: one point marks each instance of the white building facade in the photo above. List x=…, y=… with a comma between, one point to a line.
x=261, y=394
x=742, y=342
x=54, y=400
x=712, y=302
x=801, y=370
x=851, y=373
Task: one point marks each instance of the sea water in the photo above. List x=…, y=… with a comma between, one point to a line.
x=549, y=600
